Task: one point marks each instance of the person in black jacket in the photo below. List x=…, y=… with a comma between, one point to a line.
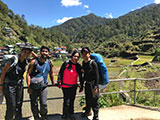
x=12, y=80
x=69, y=74
x=91, y=78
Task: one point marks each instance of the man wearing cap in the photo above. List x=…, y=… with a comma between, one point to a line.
x=91, y=78
x=12, y=81
x=37, y=80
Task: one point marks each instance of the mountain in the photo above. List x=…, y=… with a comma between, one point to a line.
x=71, y=27
x=112, y=36
x=130, y=33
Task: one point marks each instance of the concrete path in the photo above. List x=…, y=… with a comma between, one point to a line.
x=124, y=112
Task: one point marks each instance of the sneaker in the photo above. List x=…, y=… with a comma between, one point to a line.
x=86, y=114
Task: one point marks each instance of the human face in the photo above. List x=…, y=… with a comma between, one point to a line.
x=85, y=55
x=75, y=58
x=44, y=53
x=25, y=53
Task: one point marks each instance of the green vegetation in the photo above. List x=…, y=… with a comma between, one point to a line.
x=147, y=71
x=136, y=32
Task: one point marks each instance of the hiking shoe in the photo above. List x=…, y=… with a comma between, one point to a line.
x=86, y=114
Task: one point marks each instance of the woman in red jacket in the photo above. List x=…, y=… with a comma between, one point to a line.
x=69, y=74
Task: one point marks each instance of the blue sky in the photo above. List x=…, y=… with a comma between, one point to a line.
x=48, y=13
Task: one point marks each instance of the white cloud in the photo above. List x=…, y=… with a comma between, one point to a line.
x=88, y=11
x=86, y=6
x=109, y=15
x=157, y=1
x=64, y=19
x=69, y=3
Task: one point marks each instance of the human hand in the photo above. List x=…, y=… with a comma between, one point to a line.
x=1, y=89
x=81, y=89
x=30, y=90
x=53, y=84
x=95, y=91
x=58, y=84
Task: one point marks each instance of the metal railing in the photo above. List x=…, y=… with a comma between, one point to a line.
x=134, y=90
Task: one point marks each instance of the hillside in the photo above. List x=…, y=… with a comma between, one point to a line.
x=73, y=26
x=14, y=28
x=110, y=37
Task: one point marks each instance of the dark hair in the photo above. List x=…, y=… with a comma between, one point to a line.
x=74, y=52
x=44, y=47
x=86, y=49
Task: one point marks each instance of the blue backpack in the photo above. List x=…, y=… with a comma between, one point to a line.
x=103, y=72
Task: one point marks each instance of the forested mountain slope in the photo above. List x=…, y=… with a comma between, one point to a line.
x=110, y=37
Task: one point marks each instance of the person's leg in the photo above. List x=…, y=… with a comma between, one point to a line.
x=19, y=101
x=34, y=104
x=95, y=106
x=66, y=100
x=10, y=96
x=73, y=91
x=88, y=95
x=43, y=104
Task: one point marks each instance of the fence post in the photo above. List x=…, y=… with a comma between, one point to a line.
x=135, y=91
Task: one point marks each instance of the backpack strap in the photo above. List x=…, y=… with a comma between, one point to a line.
x=91, y=64
x=15, y=61
x=60, y=74
x=44, y=69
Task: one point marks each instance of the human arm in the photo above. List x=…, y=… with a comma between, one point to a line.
x=95, y=87
x=80, y=72
x=34, y=55
x=60, y=74
x=51, y=74
x=28, y=77
x=3, y=73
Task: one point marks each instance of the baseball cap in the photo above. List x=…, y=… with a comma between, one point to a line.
x=26, y=47
x=86, y=49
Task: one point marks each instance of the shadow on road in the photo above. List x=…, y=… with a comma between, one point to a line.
x=58, y=117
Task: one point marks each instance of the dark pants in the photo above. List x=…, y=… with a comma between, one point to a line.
x=68, y=100
x=14, y=98
x=42, y=95
x=91, y=100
